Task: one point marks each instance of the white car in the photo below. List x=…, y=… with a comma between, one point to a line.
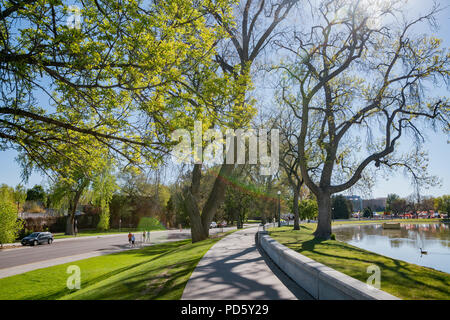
x=213, y=225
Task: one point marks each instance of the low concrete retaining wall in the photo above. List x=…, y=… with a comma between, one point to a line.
x=320, y=281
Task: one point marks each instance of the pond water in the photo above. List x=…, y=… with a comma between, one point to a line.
x=404, y=243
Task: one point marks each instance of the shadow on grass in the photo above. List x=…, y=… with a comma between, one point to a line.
x=134, y=279
x=152, y=252
x=140, y=284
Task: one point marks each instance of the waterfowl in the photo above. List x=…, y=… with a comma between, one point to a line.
x=423, y=252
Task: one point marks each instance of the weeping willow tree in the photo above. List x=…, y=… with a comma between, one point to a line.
x=104, y=185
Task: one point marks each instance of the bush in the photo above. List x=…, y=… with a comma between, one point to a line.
x=36, y=224
x=10, y=225
x=341, y=207
x=24, y=232
x=367, y=213
x=103, y=224
x=149, y=223
x=333, y=236
x=308, y=209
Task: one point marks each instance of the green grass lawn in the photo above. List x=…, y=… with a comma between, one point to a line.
x=155, y=272
x=402, y=279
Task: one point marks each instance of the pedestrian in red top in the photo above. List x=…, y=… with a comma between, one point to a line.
x=129, y=238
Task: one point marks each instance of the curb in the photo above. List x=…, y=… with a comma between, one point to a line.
x=320, y=281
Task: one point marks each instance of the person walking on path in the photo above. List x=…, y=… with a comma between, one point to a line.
x=148, y=236
x=143, y=237
x=129, y=238
x=133, y=239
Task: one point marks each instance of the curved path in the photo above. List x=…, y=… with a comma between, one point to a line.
x=234, y=269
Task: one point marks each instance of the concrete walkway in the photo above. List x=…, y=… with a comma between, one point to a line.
x=234, y=269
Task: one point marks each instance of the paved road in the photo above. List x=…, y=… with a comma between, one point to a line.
x=23, y=259
x=234, y=269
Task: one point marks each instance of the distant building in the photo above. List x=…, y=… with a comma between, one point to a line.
x=378, y=204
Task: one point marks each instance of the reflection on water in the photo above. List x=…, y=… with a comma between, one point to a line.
x=404, y=243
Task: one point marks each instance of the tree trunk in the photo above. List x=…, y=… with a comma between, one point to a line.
x=295, y=206
x=217, y=195
x=197, y=231
x=323, y=230
x=70, y=222
x=191, y=196
x=200, y=222
x=70, y=227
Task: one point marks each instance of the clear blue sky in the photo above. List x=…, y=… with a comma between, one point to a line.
x=437, y=146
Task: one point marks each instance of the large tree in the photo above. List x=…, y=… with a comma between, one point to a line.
x=442, y=204
x=391, y=198
x=360, y=80
x=108, y=78
x=289, y=161
x=238, y=200
x=112, y=78
x=288, y=125
x=37, y=193
x=251, y=29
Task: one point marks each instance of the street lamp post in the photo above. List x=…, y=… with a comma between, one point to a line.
x=279, y=209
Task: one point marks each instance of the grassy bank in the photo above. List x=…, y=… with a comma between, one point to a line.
x=155, y=272
x=336, y=223
x=402, y=279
